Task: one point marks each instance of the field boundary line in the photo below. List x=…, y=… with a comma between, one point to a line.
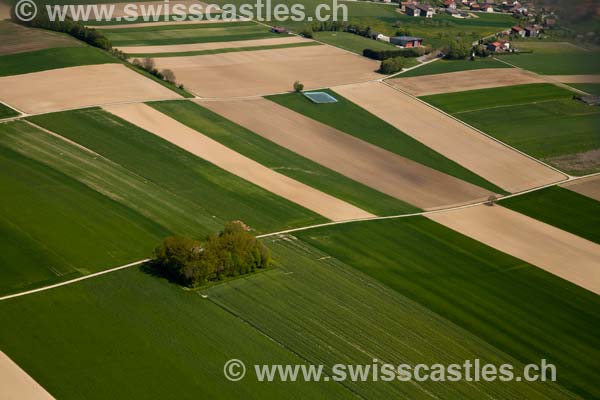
x=544, y=77
x=567, y=176
x=308, y=227
x=81, y=278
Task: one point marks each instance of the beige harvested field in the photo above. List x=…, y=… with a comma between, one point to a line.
x=575, y=78
x=16, y=384
x=260, y=72
x=363, y=162
x=19, y=39
x=76, y=87
x=589, y=187
x=464, y=80
x=175, y=48
x=4, y=11
x=156, y=8
x=170, y=23
x=484, y=156
x=554, y=250
x=212, y=151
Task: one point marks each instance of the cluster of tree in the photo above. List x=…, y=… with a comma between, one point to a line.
x=458, y=50
x=74, y=28
x=231, y=252
x=385, y=54
x=391, y=65
x=149, y=65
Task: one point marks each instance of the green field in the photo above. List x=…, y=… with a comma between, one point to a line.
x=173, y=343
x=61, y=57
x=444, y=66
x=539, y=119
x=351, y=42
x=67, y=230
x=555, y=58
x=282, y=160
x=221, y=195
x=7, y=112
x=356, y=121
x=226, y=50
x=186, y=34
x=563, y=208
x=591, y=88
x=128, y=334
x=525, y=311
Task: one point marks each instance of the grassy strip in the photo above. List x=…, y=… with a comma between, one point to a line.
x=591, y=88
x=69, y=229
x=540, y=120
x=160, y=28
x=523, y=310
x=47, y=59
x=226, y=50
x=282, y=160
x=193, y=39
x=444, y=66
x=352, y=42
x=563, y=208
x=557, y=63
x=7, y=112
x=354, y=120
x=219, y=193
x=186, y=341
x=482, y=99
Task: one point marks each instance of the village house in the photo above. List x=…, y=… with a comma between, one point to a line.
x=475, y=7
x=403, y=5
x=498, y=46
x=450, y=4
x=532, y=31
x=517, y=31
x=486, y=7
x=415, y=10
x=406, y=41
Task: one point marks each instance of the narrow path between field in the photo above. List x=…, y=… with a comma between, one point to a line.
x=304, y=228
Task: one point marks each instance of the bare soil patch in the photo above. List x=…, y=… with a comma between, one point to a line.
x=76, y=87
x=589, y=187
x=261, y=72
x=484, y=156
x=464, y=80
x=19, y=39
x=4, y=11
x=212, y=151
x=579, y=162
x=575, y=78
x=554, y=250
x=17, y=384
x=363, y=162
x=213, y=45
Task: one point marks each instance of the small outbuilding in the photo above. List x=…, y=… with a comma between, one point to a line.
x=406, y=41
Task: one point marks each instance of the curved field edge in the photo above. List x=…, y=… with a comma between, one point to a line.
x=280, y=159
x=352, y=119
x=512, y=305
